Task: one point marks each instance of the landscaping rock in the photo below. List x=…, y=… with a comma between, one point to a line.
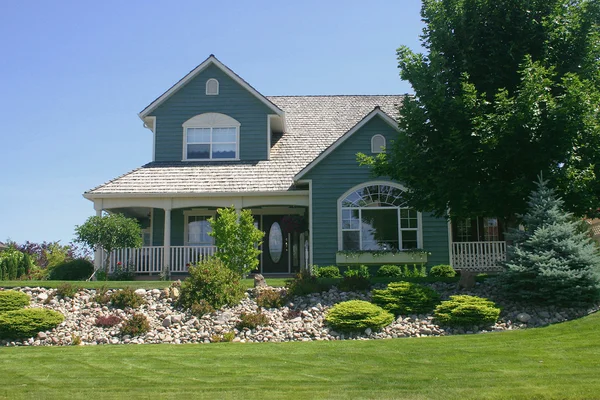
x=259, y=281
x=523, y=317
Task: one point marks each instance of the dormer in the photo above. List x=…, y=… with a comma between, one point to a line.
x=212, y=115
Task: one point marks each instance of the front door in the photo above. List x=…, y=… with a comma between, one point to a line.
x=275, y=258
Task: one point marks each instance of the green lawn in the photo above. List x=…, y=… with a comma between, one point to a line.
x=557, y=362
x=248, y=283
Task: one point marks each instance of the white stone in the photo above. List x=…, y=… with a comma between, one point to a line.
x=523, y=317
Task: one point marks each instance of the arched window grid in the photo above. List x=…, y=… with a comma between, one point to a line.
x=375, y=217
x=377, y=144
x=212, y=87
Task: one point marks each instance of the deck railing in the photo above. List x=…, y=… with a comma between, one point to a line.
x=478, y=256
x=149, y=259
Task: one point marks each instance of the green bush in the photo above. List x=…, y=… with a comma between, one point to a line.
x=28, y=322
x=102, y=295
x=12, y=300
x=403, y=298
x=201, y=308
x=442, y=271
x=304, y=283
x=136, y=325
x=122, y=273
x=354, y=283
x=78, y=269
x=127, y=298
x=252, y=320
x=357, y=315
x=389, y=271
x=67, y=290
x=270, y=298
x=331, y=271
x=464, y=310
x=414, y=271
x=357, y=270
x=14, y=264
x=212, y=281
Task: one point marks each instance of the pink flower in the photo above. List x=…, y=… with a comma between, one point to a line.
x=119, y=263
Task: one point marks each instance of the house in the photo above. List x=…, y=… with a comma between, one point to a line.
x=3, y=246
x=291, y=160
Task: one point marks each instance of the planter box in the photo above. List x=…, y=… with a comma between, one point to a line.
x=381, y=259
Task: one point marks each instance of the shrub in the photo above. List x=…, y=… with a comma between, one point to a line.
x=74, y=270
x=14, y=264
x=102, y=295
x=28, y=322
x=212, y=281
x=354, y=283
x=136, y=325
x=389, y=271
x=252, y=320
x=127, y=298
x=357, y=315
x=67, y=290
x=414, y=271
x=270, y=298
x=201, y=307
x=75, y=340
x=122, y=273
x=108, y=321
x=327, y=272
x=357, y=270
x=12, y=300
x=403, y=298
x=228, y=336
x=442, y=271
x=464, y=310
x=304, y=283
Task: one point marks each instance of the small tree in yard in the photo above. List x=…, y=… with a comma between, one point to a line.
x=237, y=239
x=109, y=232
x=551, y=261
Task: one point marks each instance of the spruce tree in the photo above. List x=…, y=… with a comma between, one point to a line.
x=551, y=261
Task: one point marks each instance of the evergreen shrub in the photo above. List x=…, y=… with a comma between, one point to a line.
x=357, y=315
x=126, y=297
x=28, y=322
x=442, y=271
x=357, y=270
x=78, y=269
x=464, y=310
x=389, y=271
x=331, y=271
x=14, y=264
x=136, y=325
x=13, y=300
x=212, y=281
x=403, y=298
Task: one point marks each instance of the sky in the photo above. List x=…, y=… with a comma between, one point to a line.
x=75, y=74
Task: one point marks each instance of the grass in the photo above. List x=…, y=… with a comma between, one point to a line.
x=248, y=283
x=556, y=362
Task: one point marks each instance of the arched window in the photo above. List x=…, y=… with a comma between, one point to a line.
x=211, y=136
x=212, y=87
x=377, y=144
x=375, y=217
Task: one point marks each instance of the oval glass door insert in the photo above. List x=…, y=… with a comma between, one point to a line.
x=275, y=242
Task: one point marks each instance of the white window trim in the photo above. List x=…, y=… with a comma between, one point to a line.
x=419, y=228
x=381, y=148
x=211, y=120
x=194, y=213
x=212, y=80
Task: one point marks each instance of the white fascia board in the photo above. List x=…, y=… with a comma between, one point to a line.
x=192, y=74
x=376, y=112
x=91, y=196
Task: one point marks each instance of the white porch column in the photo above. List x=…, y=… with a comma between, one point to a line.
x=167, y=242
x=98, y=259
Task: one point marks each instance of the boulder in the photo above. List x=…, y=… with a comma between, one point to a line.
x=523, y=317
x=259, y=281
x=467, y=279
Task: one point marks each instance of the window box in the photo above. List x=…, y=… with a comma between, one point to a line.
x=407, y=257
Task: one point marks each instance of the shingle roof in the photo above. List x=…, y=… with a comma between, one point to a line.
x=313, y=124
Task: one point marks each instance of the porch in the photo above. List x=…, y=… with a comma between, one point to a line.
x=478, y=256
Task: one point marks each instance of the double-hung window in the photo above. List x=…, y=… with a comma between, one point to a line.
x=211, y=136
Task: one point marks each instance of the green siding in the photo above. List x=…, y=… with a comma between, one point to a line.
x=191, y=100
x=338, y=173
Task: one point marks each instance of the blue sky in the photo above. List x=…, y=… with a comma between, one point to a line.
x=74, y=75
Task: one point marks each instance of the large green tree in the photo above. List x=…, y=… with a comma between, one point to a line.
x=507, y=89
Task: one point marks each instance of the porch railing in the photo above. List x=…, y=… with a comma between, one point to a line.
x=478, y=256
x=149, y=259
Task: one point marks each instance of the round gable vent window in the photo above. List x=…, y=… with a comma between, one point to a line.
x=275, y=242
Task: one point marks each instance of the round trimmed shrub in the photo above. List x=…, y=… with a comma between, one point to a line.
x=13, y=300
x=78, y=269
x=464, y=310
x=389, y=271
x=403, y=298
x=358, y=315
x=331, y=271
x=138, y=324
x=28, y=322
x=210, y=280
x=442, y=271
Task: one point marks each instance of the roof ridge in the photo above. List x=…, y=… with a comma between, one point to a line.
x=342, y=95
